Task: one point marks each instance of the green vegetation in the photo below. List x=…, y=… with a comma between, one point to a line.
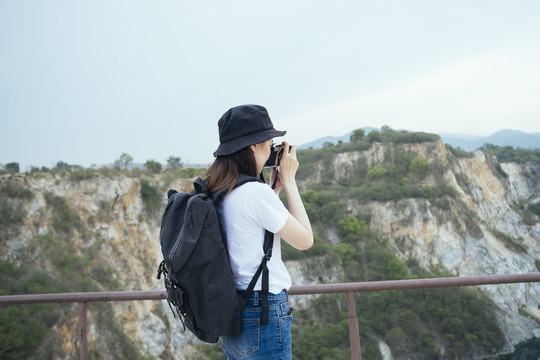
x=411, y=322
x=80, y=173
x=510, y=243
x=12, y=167
x=401, y=175
x=123, y=166
x=124, y=161
x=14, y=190
x=524, y=351
x=151, y=196
x=153, y=166
x=212, y=351
x=535, y=209
x=458, y=152
x=415, y=323
x=510, y=154
x=24, y=328
x=319, y=248
x=13, y=195
x=66, y=220
x=174, y=162
x=11, y=218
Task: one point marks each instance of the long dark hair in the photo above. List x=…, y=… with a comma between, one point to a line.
x=226, y=169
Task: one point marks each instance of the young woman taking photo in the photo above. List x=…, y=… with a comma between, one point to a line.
x=246, y=212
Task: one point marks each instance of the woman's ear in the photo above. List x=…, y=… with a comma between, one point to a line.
x=252, y=147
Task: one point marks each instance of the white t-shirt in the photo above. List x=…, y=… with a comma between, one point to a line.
x=245, y=213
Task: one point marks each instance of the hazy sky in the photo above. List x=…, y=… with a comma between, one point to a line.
x=84, y=81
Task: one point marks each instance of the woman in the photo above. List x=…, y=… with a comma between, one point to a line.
x=245, y=134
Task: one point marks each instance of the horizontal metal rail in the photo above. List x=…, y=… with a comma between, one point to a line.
x=294, y=290
x=348, y=288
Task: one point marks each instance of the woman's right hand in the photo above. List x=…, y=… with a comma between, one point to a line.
x=288, y=166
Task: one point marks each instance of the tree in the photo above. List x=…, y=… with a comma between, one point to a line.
x=12, y=167
x=351, y=229
x=327, y=144
x=385, y=129
x=124, y=161
x=153, y=166
x=357, y=135
x=377, y=172
x=374, y=136
x=63, y=165
x=151, y=196
x=419, y=167
x=174, y=162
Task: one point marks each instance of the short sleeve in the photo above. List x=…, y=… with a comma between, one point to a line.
x=267, y=211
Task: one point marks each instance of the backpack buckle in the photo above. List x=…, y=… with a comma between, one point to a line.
x=161, y=269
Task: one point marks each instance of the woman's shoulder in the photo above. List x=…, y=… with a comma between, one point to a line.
x=254, y=187
x=254, y=191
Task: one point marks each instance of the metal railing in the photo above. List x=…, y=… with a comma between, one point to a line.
x=348, y=288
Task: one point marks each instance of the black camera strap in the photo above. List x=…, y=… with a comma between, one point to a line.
x=277, y=169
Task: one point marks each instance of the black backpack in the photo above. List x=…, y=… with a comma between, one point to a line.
x=196, y=268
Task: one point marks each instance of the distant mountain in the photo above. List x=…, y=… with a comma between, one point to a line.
x=466, y=142
x=500, y=138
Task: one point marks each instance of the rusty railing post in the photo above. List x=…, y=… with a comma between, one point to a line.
x=354, y=332
x=83, y=340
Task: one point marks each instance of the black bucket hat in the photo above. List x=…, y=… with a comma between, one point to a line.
x=242, y=126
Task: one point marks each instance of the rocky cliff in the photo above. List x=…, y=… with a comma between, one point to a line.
x=481, y=230
x=482, y=233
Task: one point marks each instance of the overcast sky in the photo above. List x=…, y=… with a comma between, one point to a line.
x=84, y=81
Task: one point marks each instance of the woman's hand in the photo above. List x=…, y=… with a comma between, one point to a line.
x=288, y=166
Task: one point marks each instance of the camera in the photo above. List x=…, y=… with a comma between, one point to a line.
x=275, y=152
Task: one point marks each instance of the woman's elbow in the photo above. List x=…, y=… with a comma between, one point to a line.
x=306, y=243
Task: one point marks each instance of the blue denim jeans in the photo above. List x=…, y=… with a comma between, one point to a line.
x=272, y=341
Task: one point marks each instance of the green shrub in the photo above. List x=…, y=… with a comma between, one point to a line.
x=501, y=171
x=534, y=208
x=22, y=330
x=24, y=327
x=153, y=166
x=319, y=248
x=12, y=210
x=65, y=218
x=12, y=216
x=427, y=191
x=81, y=173
x=511, y=154
x=463, y=318
x=14, y=190
x=510, y=243
x=377, y=172
x=418, y=168
x=189, y=173
x=152, y=198
x=351, y=229
x=458, y=152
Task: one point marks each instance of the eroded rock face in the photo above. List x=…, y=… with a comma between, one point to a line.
x=419, y=230
x=123, y=237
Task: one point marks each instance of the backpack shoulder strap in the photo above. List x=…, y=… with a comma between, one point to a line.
x=220, y=194
x=263, y=268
